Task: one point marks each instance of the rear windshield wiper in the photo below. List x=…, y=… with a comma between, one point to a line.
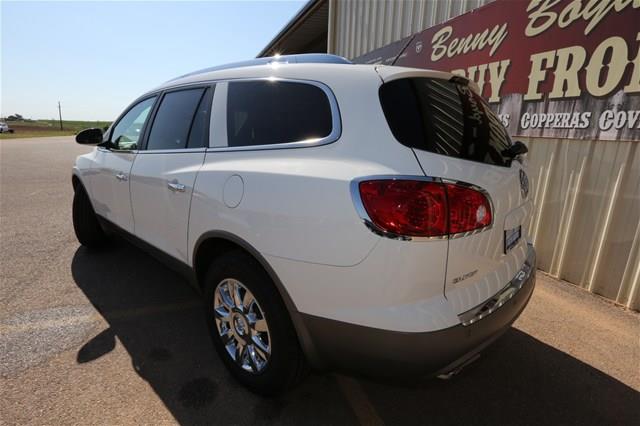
x=515, y=150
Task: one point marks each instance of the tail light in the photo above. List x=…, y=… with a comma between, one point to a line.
x=469, y=209
x=415, y=208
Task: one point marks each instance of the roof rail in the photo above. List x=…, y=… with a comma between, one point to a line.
x=303, y=58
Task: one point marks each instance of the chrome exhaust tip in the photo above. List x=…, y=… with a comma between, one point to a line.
x=448, y=375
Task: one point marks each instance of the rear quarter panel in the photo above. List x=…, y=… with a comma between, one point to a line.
x=296, y=203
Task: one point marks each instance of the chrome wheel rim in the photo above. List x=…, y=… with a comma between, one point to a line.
x=241, y=325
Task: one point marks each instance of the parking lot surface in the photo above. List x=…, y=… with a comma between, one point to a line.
x=114, y=337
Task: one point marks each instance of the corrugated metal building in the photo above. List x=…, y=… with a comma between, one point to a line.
x=586, y=226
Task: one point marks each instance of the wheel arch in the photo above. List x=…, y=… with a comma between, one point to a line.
x=75, y=181
x=214, y=243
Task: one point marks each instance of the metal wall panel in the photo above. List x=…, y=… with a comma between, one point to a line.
x=360, y=26
x=586, y=225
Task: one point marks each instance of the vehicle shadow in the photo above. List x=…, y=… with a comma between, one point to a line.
x=159, y=320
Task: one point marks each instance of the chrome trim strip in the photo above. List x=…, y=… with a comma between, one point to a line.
x=118, y=151
x=153, y=151
x=301, y=144
x=362, y=212
x=173, y=151
x=503, y=296
x=336, y=122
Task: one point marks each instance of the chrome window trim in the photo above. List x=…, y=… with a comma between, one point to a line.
x=364, y=216
x=173, y=151
x=118, y=151
x=288, y=145
x=336, y=122
x=336, y=119
x=153, y=151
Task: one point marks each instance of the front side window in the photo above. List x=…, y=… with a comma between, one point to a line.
x=170, y=129
x=446, y=118
x=127, y=133
x=275, y=112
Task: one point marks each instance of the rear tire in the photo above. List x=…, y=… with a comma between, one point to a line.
x=85, y=223
x=285, y=364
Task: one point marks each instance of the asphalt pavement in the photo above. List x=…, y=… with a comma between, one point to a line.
x=115, y=337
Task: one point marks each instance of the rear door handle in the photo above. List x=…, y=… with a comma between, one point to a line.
x=176, y=186
x=121, y=176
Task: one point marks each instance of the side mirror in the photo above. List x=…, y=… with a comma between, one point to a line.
x=518, y=148
x=89, y=137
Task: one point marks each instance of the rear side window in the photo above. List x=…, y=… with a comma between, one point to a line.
x=275, y=112
x=172, y=122
x=446, y=118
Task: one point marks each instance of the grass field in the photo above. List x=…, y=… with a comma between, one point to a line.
x=41, y=128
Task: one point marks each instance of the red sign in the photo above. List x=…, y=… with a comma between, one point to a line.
x=557, y=68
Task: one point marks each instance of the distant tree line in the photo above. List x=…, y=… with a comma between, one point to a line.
x=16, y=117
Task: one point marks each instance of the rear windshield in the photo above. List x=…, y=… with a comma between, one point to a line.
x=444, y=117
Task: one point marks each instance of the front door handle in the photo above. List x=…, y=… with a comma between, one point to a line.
x=176, y=186
x=121, y=176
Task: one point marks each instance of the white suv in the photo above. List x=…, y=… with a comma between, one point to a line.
x=357, y=217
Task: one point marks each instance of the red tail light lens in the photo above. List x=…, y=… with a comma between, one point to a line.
x=406, y=207
x=424, y=209
x=468, y=209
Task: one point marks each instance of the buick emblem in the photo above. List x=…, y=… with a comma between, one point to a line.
x=524, y=184
x=419, y=47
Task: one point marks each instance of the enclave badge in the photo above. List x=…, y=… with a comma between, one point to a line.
x=524, y=184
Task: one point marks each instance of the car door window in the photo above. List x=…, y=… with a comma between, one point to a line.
x=199, y=135
x=170, y=129
x=127, y=133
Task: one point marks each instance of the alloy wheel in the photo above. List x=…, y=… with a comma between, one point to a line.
x=242, y=326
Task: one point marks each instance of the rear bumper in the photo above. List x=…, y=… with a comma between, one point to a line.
x=377, y=352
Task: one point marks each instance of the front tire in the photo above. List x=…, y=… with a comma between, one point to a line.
x=85, y=223
x=250, y=327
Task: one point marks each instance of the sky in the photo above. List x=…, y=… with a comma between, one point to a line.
x=96, y=57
